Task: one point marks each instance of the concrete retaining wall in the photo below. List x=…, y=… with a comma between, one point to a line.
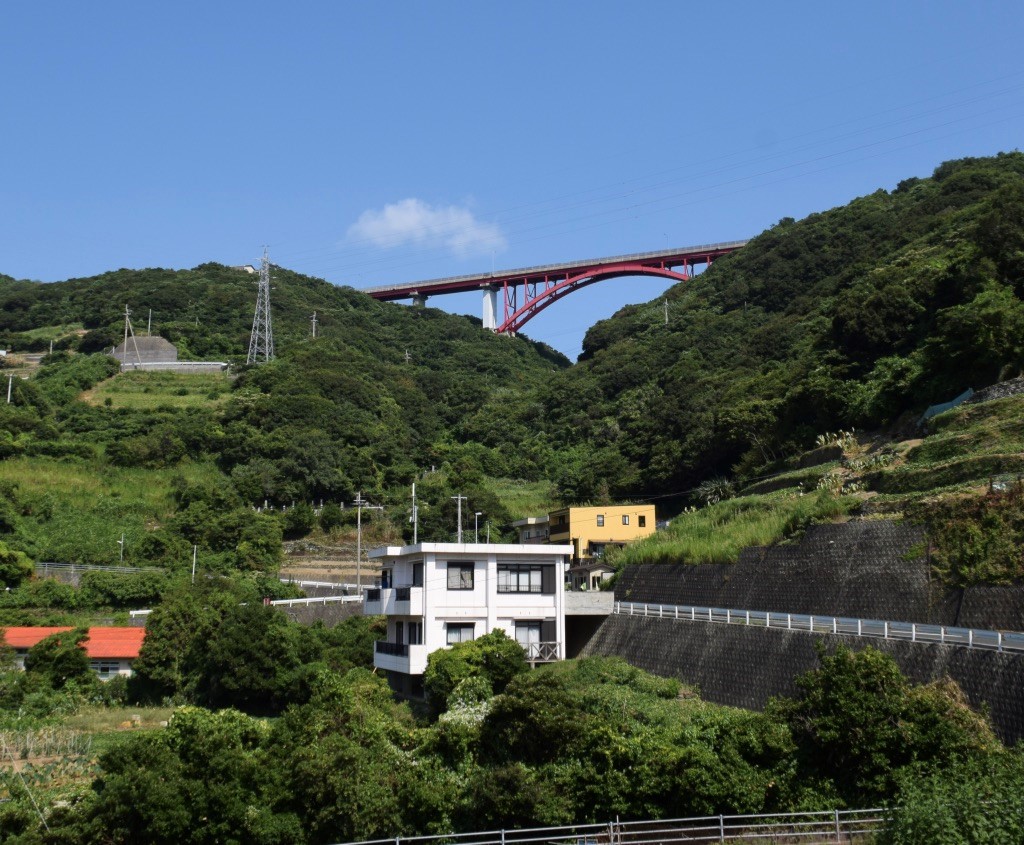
x=744, y=667
x=330, y=614
x=870, y=570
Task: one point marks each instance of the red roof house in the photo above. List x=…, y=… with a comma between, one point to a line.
x=110, y=650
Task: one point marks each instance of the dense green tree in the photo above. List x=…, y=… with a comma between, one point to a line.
x=60, y=659
x=15, y=566
x=857, y=721
x=494, y=656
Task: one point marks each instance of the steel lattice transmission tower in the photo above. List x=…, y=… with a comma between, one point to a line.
x=261, y=341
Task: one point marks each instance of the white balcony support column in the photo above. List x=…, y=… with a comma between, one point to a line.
x=490, y=315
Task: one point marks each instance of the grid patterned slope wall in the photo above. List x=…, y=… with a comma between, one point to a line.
x=744, y=667
x=859, y=569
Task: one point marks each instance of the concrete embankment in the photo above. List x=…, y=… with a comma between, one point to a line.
x=745, y=666
x=870, y=570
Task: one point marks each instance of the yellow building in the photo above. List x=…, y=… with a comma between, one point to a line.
x=593, y=529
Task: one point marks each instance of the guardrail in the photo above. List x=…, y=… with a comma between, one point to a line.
x=314, y=600
x=136, y=614
x=47, y=566
x=915, y=632
x=334, y=585
x=845, y=826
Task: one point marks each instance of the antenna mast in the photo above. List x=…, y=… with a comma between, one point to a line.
x=261, y=341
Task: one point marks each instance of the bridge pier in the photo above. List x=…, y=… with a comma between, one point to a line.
x=419, y=300
x=490, y=315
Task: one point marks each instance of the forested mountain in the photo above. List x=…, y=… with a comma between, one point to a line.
x=850, y=317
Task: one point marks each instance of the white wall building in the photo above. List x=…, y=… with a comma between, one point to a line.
x=437, y=594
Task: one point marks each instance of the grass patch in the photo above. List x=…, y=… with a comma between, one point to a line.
x=53, y=332
x=718, y=533
x=147, y=390
x=77, y=510
x=106, y=726
x=523, y=498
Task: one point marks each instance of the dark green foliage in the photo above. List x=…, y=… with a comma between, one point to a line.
x=858, y=721
x=203, y=646
x=60, y=659
x=975, y=803
x=847, y=318
x=977, y=540
x=123, y=590
x=15, y=567
x=494, y=656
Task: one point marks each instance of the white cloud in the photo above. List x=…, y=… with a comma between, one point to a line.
x=412, y=221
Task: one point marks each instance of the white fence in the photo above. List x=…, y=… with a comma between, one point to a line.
x=315, y=600
x=841, y=826
x=141, y=614
x=908, y=631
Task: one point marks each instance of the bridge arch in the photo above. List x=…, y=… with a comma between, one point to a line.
x=539, y=295
x=543, y=285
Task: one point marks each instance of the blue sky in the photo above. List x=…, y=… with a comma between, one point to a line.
x=370, y=143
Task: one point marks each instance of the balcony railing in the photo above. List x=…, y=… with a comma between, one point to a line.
x=403, y=593
x=394, y=649
x=373, y=595
x=540, y=652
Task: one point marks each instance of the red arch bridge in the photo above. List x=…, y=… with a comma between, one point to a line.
x=525, y=293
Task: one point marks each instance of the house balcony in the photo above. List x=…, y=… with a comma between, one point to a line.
x=394, y=601
x=540, y=652
x=400, y=657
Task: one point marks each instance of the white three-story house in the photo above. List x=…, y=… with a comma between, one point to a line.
x=437, y=594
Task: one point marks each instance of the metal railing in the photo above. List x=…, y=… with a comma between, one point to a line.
x=334, y=585
x=394, y=649
x=540, y=651
x=45, y=567
x=315, y=600
x=843, y=826
x=915, y=632
x=135, y=614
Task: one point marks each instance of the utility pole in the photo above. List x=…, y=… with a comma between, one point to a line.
x=476, y=526
x=129, y=330
x=261, y=341
x=361, y=503
x=459, y=500
x=408, y=357
x=415, y=518
x=313, y=321
x=10, y=381
x=488, y=532
x=195, y=553
x=149, y=325
x=666, y=312
x=121, y=544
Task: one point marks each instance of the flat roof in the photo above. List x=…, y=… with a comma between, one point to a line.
x=506, y=549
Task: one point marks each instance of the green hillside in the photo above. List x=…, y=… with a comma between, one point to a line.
x=858, y=317
x=848, y=318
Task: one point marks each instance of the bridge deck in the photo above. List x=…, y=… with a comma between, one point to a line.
x=457, y=284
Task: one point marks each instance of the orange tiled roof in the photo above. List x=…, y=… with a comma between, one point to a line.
x=102, y=642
